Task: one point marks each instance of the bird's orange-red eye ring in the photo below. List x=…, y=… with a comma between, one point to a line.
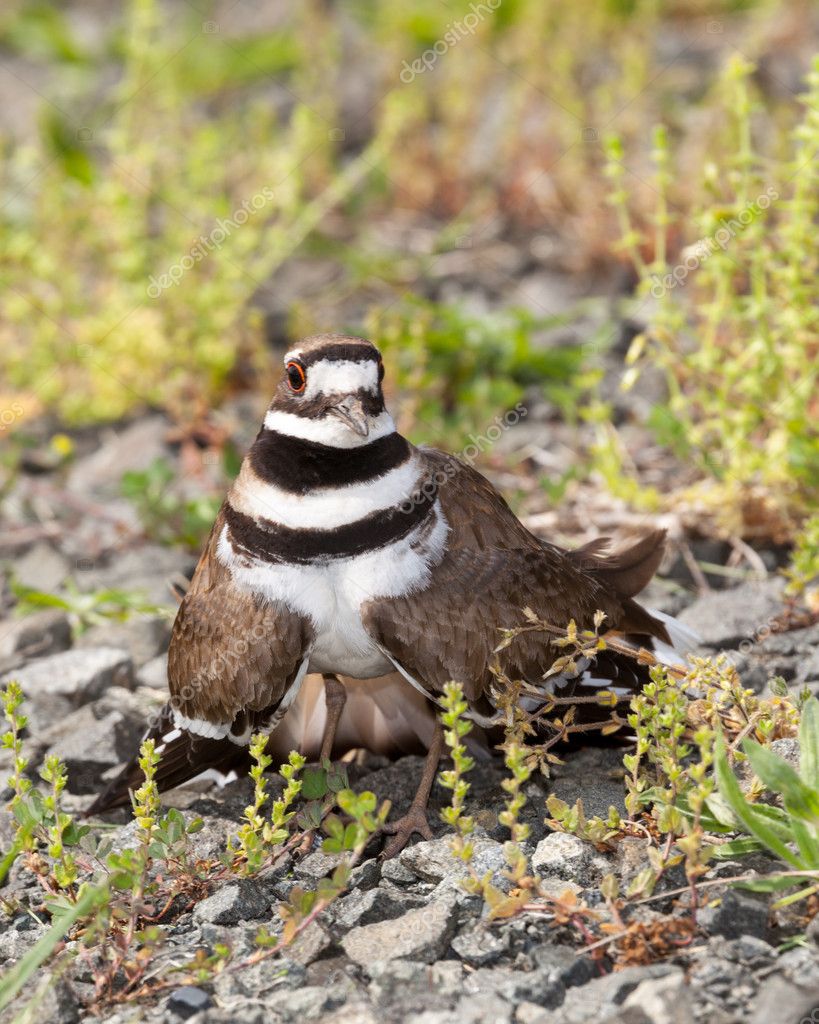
x=296, y=377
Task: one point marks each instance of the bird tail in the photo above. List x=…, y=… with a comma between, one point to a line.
x=183, y=757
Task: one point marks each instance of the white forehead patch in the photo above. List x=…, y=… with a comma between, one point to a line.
x=340, y=377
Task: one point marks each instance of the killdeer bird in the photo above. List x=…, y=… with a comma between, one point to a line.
x=344, y=550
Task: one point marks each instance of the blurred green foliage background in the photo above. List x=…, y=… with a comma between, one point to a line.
x=185, y=186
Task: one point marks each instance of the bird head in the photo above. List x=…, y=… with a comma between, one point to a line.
x=330, y=392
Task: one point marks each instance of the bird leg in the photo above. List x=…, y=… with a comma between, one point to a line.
x=415, y=820
x=335, y=697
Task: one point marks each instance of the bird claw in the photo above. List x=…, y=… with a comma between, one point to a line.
x=415, y=820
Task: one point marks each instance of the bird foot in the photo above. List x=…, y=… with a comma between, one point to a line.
x=415, y=820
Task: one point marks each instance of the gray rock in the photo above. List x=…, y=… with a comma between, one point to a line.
x=184, y=1002
x=366, y=875
x=143, y=636
x=560, y=855
x=394, y=871
x=663, y=1000
x=726, y=618
x=42, y=568
x=478, y=1009
x=369, y=907
x=78, y=675
x=316, y=865
x=234, y=902
x=310, y=945
x=480, y=946
x=780, y=1000
x=97, y=737
x=541, y=986
x=595, y=1001
x=146, y=569
x=737, y=914
x=34, y=636
x=421, y=934
x=154, y=673
x=131, y=447
x=746, y=950
x=564, y=963
x=434, y=861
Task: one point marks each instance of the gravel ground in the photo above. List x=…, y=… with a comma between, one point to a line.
x=406, y=943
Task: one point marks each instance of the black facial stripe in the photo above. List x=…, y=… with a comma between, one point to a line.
x=274, y=543
x=298, y=466
x=317, y=408
x=340, y=350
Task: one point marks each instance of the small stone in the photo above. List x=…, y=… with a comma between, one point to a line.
x=366, y=875
x=34, y=636
x=188, y=1000
x=480, y=946
x=726, y=618
x=97, y=737
x=749, y=950
x=41, y=568
x=539, y=986
x=309, y=945
x=561, y=855
x=781, y=1000
x=306, y=1003
x=154, y=673
x=595, y=1000
x=421, y=934
x=359, y=908
x=235, y=902
x=144, y=637
x=737, y=914
x=663, y=1000
x=76, y=675
x=483, y=1009
x=394, y=871
x=317, y=865
x=433, y=861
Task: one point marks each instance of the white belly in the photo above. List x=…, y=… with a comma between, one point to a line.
x=331, y=595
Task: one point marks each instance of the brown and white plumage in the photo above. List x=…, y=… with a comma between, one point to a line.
x=345, y=550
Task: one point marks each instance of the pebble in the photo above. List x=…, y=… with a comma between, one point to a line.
x=187, y=1001
x=234, y=902
x=78, y=675
x=421, y=934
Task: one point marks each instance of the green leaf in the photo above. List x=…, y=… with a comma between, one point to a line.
x=736, y=848
x=778, y=775
x=24, y=969
x=314, y=784
x=809, y=743
x=745, y=812
x=771, y=883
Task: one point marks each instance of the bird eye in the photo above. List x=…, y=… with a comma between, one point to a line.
x=296, y=377
x=380, y=370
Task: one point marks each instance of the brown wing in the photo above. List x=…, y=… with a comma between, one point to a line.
x=232, y=660
x=493, y=569
x=231, y=653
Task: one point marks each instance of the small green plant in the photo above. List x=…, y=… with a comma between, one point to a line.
x=733, y=323
x=85, y=608
x=456, y=728
x=260, y=837
x=789, y=832
x=165, y=516
x=462, y=372
x=803, y=571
